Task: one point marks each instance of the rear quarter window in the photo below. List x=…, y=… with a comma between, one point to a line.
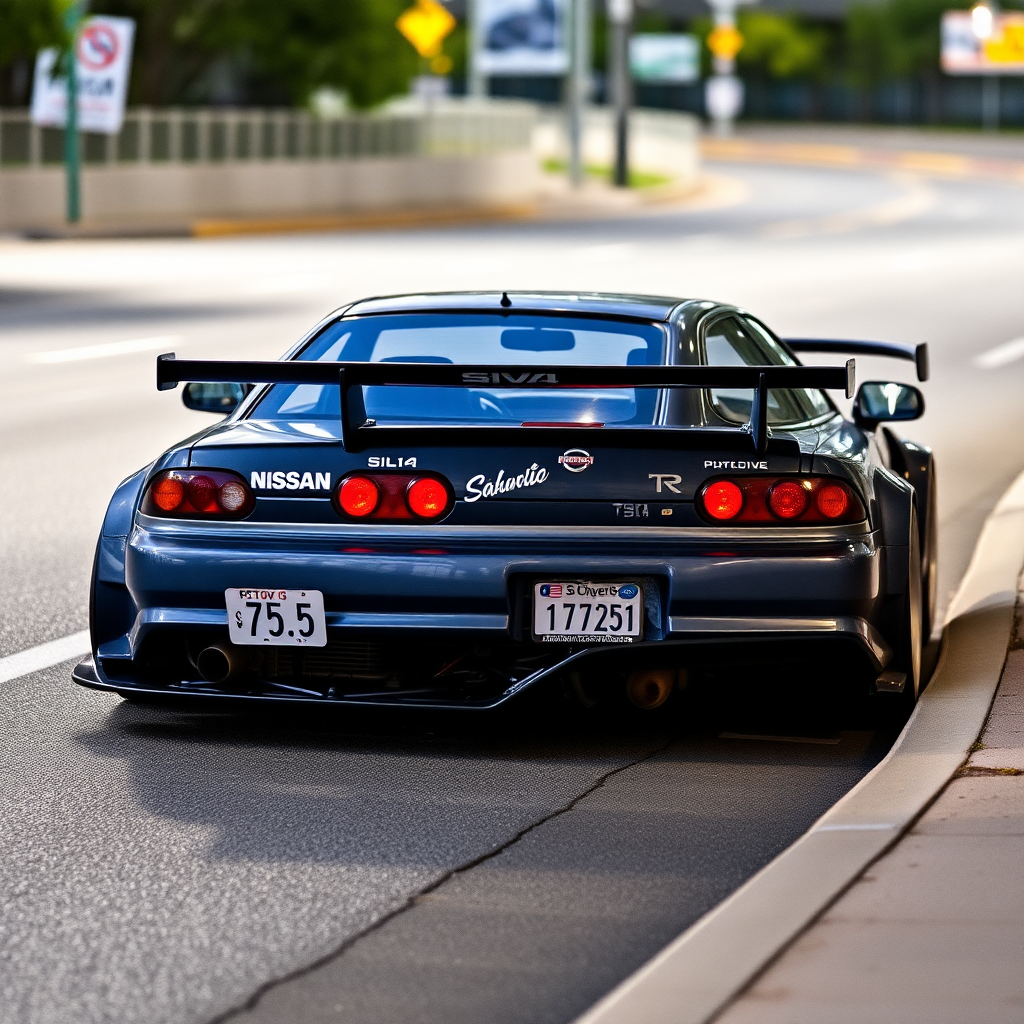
x=735, y=341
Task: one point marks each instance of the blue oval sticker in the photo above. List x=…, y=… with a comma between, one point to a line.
x=629, y=591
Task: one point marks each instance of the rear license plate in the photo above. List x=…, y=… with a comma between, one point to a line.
x=276, y=618
x=580, y=611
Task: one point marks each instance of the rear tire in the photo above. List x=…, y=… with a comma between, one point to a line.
x=929, y=567
x=910, y=643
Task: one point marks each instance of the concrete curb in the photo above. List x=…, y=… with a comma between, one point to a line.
x=694, y=977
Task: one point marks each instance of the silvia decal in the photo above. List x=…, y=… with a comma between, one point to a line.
x=576, y=460
x=509, y=379
x=386, y=462
x=292, y=481
x=479, y=486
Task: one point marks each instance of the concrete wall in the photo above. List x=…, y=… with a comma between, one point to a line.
x=172, y=195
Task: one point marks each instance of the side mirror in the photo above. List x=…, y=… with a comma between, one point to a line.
x=879, y=401
x=210, y=396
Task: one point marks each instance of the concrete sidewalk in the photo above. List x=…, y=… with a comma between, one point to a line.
x=933, y=931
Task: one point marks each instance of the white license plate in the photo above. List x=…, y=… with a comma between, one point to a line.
x=276, y=618
x=582, y=610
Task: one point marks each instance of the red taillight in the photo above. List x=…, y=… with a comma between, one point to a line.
x=201, y=491
x=768, y=499
x=358, y=496
x=832, y=501
x=393, y=496
x=427, y=497
x=168, y=493
x=788, y=499
x=198, y=494
x=723, y=500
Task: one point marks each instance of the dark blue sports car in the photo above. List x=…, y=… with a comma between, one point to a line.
x=445, y=500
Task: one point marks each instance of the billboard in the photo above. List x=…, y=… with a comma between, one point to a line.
x=522, y=37
x=103, y=59
x=979, y=42
x=664, y=58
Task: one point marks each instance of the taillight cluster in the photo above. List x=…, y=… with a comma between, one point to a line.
x=773, y=499
x=198, y=494
x=393, y=496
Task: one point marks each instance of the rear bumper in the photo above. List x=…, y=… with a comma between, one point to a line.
x=108, y=671
x=464, y=589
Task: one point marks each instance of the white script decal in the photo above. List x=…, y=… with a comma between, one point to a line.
x=711, y=464
x=479, y=486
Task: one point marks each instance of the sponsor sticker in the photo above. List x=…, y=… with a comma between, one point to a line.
x=576, y=460
x=713, y=464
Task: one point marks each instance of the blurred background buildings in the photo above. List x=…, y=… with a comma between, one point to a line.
x=823, y=60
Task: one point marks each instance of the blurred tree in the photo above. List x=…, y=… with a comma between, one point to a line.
x=896, y=39
x=351, y=45
x=781, y=46
x=252, y=51
x=26, y=26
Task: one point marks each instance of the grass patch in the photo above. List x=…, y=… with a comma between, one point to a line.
x=637, y=179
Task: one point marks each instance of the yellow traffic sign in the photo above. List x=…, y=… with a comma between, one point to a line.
x=725, y=42
x=425, y=25
x=1007, y=45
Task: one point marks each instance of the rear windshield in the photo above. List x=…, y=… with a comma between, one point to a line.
x=481, y=338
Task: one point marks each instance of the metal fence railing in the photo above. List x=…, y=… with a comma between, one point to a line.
x=447, y=128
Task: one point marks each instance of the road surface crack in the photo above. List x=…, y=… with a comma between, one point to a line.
x=413, y=899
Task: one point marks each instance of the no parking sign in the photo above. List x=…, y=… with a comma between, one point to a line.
x=103, y=58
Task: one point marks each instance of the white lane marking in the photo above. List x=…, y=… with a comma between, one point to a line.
x=102, y=351
x=910, y=261
x=44, y=656
x=1001, y=355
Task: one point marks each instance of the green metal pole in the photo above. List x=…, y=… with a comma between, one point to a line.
x=72, y=162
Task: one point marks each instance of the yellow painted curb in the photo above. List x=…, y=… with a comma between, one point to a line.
x=925, y=162
x=357, y=221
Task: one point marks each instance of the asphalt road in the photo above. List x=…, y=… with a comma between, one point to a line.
x=158, y=867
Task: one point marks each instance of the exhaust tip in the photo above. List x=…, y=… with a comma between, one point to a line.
x=218, y=664
x=650, y=688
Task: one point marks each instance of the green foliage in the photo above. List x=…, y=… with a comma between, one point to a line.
x=781, y=46
x=27, y=26
x=265, y=50
x=896, y=39
x=351, y=45
x=275, y=50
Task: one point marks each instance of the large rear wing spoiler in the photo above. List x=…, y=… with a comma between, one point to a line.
x=917, y=354
x=352, y=377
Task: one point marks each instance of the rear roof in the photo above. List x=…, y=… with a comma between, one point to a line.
x=644, y=307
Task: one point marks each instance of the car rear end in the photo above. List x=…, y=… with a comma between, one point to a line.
x=433, y=548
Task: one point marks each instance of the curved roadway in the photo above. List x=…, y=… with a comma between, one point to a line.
x=157, y=867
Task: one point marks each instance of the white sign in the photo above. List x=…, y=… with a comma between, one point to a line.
x=723, y=97
x=978, y=42
x=103, y=59
x=522, y=37
x=664, y=57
